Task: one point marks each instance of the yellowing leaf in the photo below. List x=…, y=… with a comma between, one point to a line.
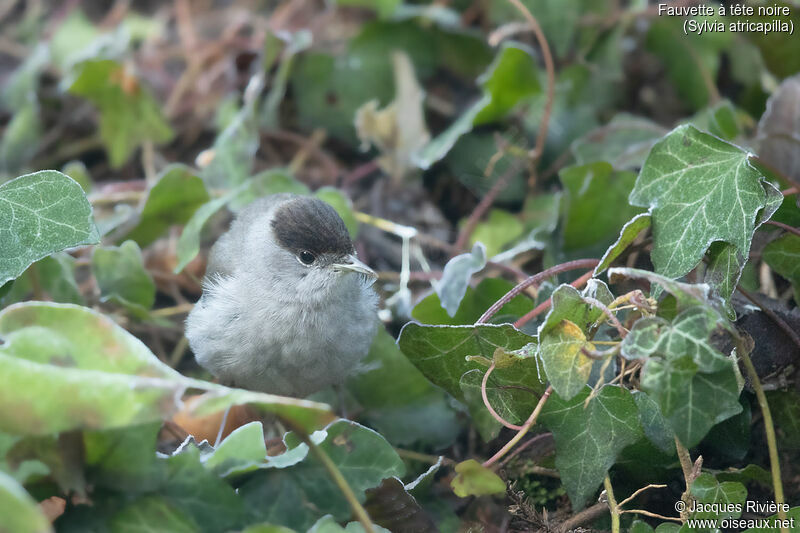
x=565, y=364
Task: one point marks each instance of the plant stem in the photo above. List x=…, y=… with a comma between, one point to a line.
x=541, y=276
x=783, y=226
x=769, y=428
x=542, y=307
x=686, y=465
x=341, y=482
x=612, y=505
x=527, y=426
x=488, y=405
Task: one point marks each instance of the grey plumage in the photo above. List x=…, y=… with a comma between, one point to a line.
x=268, y=321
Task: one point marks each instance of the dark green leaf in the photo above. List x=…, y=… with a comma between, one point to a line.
x=627, y=235
x=152, y=513
x=596, y=204
x=729, y=495
x=41, y=213
x=783, y=255
x=590, y=437
x=172, y=200
x=122, y=278
x=655, y=426
x=124, y=458
x=624, y=142
x=440, y=351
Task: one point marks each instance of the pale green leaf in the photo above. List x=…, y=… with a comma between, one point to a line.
x=19, y=510
x=122, y=277
x=41, y=213
x=456, y=275
x=624, y=142
x=474, y=479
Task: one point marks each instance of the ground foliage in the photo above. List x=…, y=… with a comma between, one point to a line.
x=650, y=176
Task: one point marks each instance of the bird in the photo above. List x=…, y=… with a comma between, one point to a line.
x=287, y=307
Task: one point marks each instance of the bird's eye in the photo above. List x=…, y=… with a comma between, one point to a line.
x=306, y=257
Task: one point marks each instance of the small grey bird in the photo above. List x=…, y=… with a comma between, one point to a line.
x=287, y=308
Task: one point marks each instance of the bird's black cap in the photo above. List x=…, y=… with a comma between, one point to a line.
x=307, y=223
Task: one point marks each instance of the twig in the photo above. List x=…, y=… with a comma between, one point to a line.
x=612, y=505
x=341, y=482
x=485, y=203
x=551, y=80
x=635, y=494
x=584, y=517
x=606, y=311
x=488, y=405
x=769, y=428
x=535, y=279
x=527, y=426
x=688, y=476
x=775, y=318
x=653, y=515
x=527, y=443
x=542, y=307
x=783, y=226
x=790, y=191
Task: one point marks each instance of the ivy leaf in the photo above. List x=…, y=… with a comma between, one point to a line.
x=699, y=189
x=129, y=115
x=398, y=401
x=565, y=364
x=41, y=213
x=499, y=229
x=783, y=256
x=655, y=426
x=624, y=142
x=440, y=352
x=591, y=189
x=689, y=334
x=123, y=459
x=692, y=402
x=172, y=200
x=456, y=275
x=728, y=495
x=568, y=303
x=474, y=479
x=122, y=278
x=511, y=78
x=241, y=451
x=20, y=512
x=590, y=437
x=720, y=119
x=295, y=496
x=151, y=513
x=627, y=235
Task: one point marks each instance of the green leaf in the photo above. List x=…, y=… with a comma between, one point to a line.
x=627, y=235
x=209, y=500
x=691, y=60
x=296, y=495
x=699, y=190
x=152, y=513
x=475, y=301
x=565, y=364
x=129, y=115
x=655, y=426
x=234, y=151
x=172, y=200
x=122, y=278
x=41, y=213
x=456, y=275
x=384, y=8
x=21, y=86
x=20, y=512
x=688, y=334
x=67, y=367
x=123, y=458
x=785, y=407
x=568, y=304
x=691, y=401
x=398, y=401
x=512, y=77
x=20, y=140
x=783, y=256
x=624, y=142
x=473, y=479
x=241, y=451
x=439, y=352
x=686, y=294
x=791, y=521
x=498, y=230
x=590, y=437
x=57, y=276
x=596, y=204
x=720, y=119
x=729, y=495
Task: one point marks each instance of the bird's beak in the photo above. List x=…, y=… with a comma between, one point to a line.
x=352, y=264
